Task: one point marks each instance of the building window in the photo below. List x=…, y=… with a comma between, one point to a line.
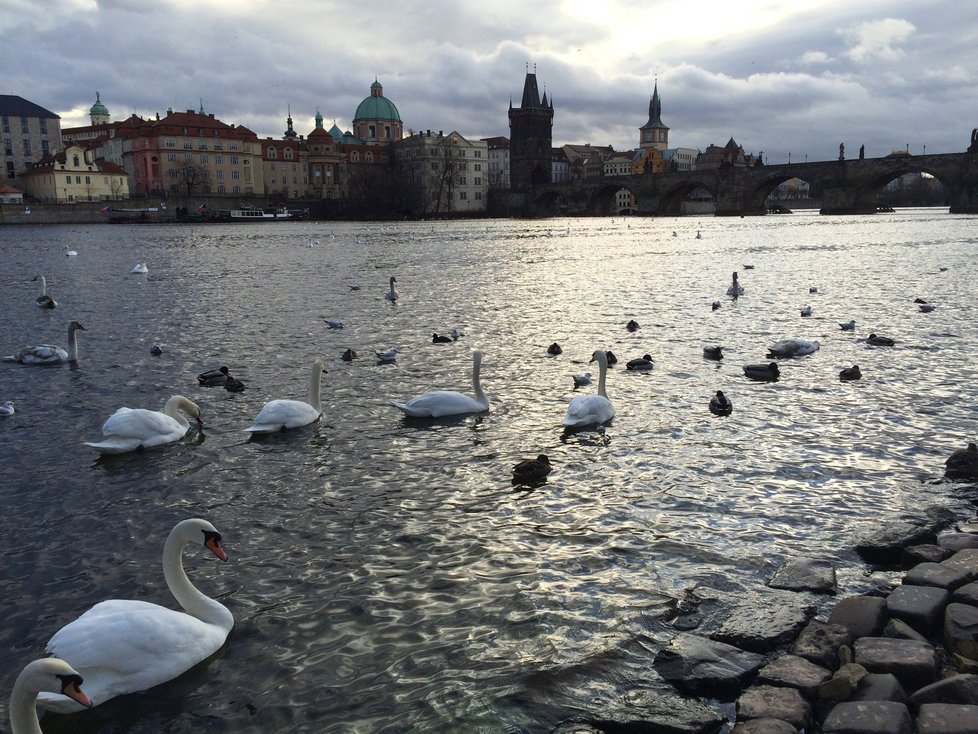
x=232, y=146
x=219, y=159
x=44, y=126
x=234, y=160
x=6, y=124
x=203, y=158
x=188, y=157
x=8, y=147
x=171, y=157
x=88, y=179
x=478, y=166
x=220, y=175
x=288, y=154
x=170, y=143
x=24, y=128
x=235, y=189
x=477, y=181
x=387, y=132
x=478, y=195
x=220, y=189
x=369, y=157
x=478, y=154
x=78, y=180
x=371, y=131
x=187, y=145
x=462, y=195
x=45, y=148
x=354, y=157
x=27, y=147
x=235, y=174
x=68, y=179
x=272, y=153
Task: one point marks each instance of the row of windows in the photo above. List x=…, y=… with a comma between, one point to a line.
x=201, y=145
x=78, y=179
x=218, y=159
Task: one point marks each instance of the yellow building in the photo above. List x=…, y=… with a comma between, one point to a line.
x=73, y=175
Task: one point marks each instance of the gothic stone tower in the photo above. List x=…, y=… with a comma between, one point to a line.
x=654, y=134
x=530, y=138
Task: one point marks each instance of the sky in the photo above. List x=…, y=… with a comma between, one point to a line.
x=781, y=78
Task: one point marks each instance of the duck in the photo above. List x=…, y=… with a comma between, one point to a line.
x=642, y=363
x=388, y=357
x=156, y=350
x=762, y=372
x=698, y=235
x=792, y=348
x=554, y=349
x=44, y=300
x=806, y=311
x=716, y=305
x=532, y=471
x=848, y=325
x=349, y=355
x=435, y=339
x=333, y=323
x=7, y=408
x=851, y=373
x=588, y=410
x=632, y=325
x=234, y=385
x=355, y=287
x=139, y=269
x=280, y=415
x=391, y=295
x=918, y=299
x=47, y=675
x=213, y=378
x=582, y=380
x=813, y=289
x=735, y=289
x=48, y=353
x=880, y=341
x=136, y=429
x=963, y=463
x=69, y=252
x=748, y=266
x=927, y=307
x=611, y=357
x=441, y=403
x=720, y=404
x=124, y=646
x=712, y=352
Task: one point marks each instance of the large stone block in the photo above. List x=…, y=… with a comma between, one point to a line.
x=764, y=726
x=762, y=629
x=773, y=702
x=966, y=559
x=913, y=663
x=868, y=717
x=947, y=718
x=820, y=643
x=962, y=688
x=967, y=594
x=863, y=616
x=805, y=574
x=701, y=666
x=794, y=672
x=922, y=607
x=961, y=630
x=880, y=687
x=937, y=574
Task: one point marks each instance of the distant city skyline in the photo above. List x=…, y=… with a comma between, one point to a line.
x=779, y=77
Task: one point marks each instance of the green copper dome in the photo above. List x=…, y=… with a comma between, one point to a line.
x=377, y=106
x=98, y=108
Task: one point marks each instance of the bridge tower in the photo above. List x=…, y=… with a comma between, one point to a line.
x=654, y=134
x=530, y=138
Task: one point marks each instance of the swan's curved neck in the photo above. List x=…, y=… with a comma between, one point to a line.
x=195, y=603
x=315, y=385
x=476, y=383
x=44, y=285
x=602, y=374
x=173, y=409
x=72, y=345
x=23, y=711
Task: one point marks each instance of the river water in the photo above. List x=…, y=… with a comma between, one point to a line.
x=385, y=575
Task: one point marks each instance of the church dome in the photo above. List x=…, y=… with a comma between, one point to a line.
x=98, y=108
x=377, y=106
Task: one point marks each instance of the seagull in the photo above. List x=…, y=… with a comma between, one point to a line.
x=848, y=325
x=7, y=408
x=582, y=380
x=333, y=324
x=389, y=356
x=455, y=334
x=139, y=269
x=807, y=311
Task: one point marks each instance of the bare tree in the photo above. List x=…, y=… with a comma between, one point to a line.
x=191, y=175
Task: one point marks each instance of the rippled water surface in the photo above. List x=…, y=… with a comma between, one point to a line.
x=385, y=576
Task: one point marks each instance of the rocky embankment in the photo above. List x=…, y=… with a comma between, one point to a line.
x=902, y=659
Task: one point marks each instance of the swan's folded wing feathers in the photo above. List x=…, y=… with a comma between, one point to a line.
x=140, y=424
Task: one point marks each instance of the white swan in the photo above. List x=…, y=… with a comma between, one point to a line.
x=439, y=403
x=586, y=410
x=70, y=253
x=277, y=415
x=140, y=268
x=132, y=430
x=48, y=353
x=48, y=675
x=792, y=348
x=44, y=300
x=7, y=408
x=391, y=295
x=122, y=646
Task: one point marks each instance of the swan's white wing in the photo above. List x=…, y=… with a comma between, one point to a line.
x=122, y=646
x=589, y=409
x=440, y=403
x=142, y=424
x=278, y=414
x=42, y=354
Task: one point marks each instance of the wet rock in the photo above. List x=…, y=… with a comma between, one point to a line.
x=819, y=643
x=868, y=717
x=698, y=665
x=772, y=702
x=961, y=630
x=805, y=574
x=843, y=683
x=913, y=663
x=920, y=553
x=792, y=671
x=937, y=574
x=881, y=687
x=961, y=688
x=958, y=541
x=922, y=607
x=764, y=726
x=665, y=713
x=967, y=594
x=947, y=718
x=863, y=616
x=885, y=545
x=762, y=629
x=966, y=559
x=900, y=630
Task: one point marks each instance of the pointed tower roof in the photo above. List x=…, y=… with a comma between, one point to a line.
x=655, y=111
x=531, y=93
x=290, y=133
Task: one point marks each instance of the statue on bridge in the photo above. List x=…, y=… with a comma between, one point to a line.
x=973, y=148
x=842, y=151
x=862, y=152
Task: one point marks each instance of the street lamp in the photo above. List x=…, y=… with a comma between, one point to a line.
x=925, y=150
x=789, y=158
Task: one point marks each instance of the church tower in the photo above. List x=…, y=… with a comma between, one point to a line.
x=654, y=134
x=99, y=113
x=530, y=138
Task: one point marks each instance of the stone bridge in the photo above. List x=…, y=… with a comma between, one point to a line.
x=844, y=186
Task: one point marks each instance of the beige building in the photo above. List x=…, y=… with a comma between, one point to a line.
x=73, y=175
x=449, y=172
x=28, y=133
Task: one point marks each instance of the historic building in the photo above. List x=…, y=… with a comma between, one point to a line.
x=653, y=134
x=530, y=138
x=449, y=174
x=28, y=133
x=498, y=162
x=730, y=154
x=73, y=175
x=377, y=121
